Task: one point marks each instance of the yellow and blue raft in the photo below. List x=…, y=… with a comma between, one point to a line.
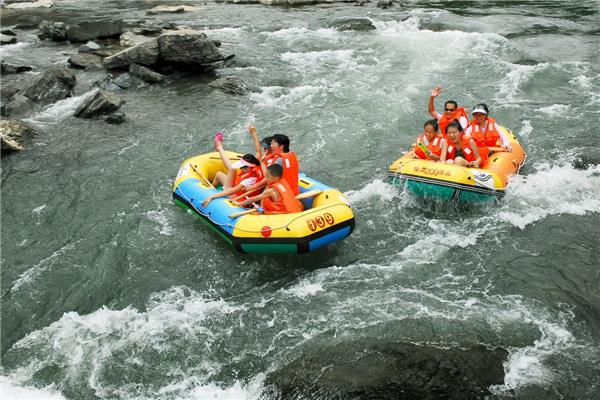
x=327, y=217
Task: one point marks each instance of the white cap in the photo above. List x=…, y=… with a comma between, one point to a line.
x=479, y=109
x=242, y=163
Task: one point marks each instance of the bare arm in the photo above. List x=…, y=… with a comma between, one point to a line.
x=265, y=194
x=476, y=153
x=434, y=93
x=257, y=147
x=224, y=193
x=444, y=151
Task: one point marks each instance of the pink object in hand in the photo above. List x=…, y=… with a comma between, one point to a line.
x=219, y=136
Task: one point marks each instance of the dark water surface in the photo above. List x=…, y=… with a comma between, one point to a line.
x=110, y=291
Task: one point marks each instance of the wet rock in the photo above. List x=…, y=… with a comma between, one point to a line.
x=232, y=85
x=123, y=81
x=583, y=162
x=145, y=53
x=18, y=104
x=352, y=24
x=94, y=30
x=13, y=134
x=173, y=9
x=116, y=119
x=51, y=85
x=100, y=102
x=383, y=370
x=384, y=3
x=30, y=4
x=145, y=74
x=89, y=47
x=9, y=89
x=6, y=68
x=28, y=22
x=85, y=61
x=7, y=39
x=129, y=39
x=8, y=32
x=56, y=31
x=188, y=46
x=153, y=27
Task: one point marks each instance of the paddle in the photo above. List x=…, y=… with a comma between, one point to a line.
x=301, y=196
x=497, y=149
x=203, y=177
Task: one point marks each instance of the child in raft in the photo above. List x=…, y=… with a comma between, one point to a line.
x=459, y=149
x=277, y=198
x=429, y=144
x=240, y=175
x=262, y=147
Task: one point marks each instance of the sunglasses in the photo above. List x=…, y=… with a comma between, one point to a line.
x=450, y=109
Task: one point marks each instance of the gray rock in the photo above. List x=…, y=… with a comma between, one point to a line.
x=56, y=31
x=116, y=119
x=9, y=89
x=6, y=68
x=85, y=60
x=99, y=103
x=128, y=39
x=172, y=9
x=153, y=27
x=93, y=30
x=188, y=46
x=18, y=104
x=122, y=81
x=145, y=53
x=89, y=47
x=13, y=134
x=384, y=3
x=352, y=24
x=7, y=39
x=232, y=85
x=8, y=32
x=51, y=85
x=145, y=74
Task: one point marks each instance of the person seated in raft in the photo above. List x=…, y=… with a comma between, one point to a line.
x=459, y=149
x=245, y=172
x=277, y=198
x=451, y=112
x=262, y=147
x=429, y=144
x=280, y=147
x=484, y=131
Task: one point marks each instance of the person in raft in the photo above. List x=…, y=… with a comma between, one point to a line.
x=240, y=175
x=451, y=112
x=262, y=147
x=429, y=144
x=459, y=149
x=484, y=131
x=282, y=156
x=277, y=198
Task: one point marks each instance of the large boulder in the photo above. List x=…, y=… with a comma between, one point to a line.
x=172, y=9
x=12, y=134
x=51, y=85
x=18, y=104
x=6, y=68
x=56, y=31
x=85, y=61
x=188, y=46
x=129, y=39
x=145, y=53
x=93, y=30
x=145, y=74
x=232, y=85
x=98, y=103
x=7, y=39
x=89, y=47
x=352, y=24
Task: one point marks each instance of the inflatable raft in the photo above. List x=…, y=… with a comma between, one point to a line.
x=425, y=178
x=327, y=217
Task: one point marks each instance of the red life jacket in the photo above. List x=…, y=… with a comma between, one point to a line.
x=435, y=146
x=445, y=121
x=465, y=144
x=484, y=141
x=290, y=169
x=269, y=159
x=254, y=172
x=286, y=202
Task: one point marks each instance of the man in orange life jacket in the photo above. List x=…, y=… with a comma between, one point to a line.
x=429, y=144
x=281, y=155
x=277, y=198
x=451, y=112
x=245, y=172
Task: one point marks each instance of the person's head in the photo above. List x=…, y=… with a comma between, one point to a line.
x=454, y=131
x=431, y=129
x=450, y=107
x=265, y=143
x=480, y=113
x=247, y=161
x=274, y=173
x=280, y=144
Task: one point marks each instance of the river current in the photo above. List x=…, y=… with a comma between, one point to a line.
x=110, y=291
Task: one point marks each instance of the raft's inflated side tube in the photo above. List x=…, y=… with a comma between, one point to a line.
x=327, y=217
x=450, y=182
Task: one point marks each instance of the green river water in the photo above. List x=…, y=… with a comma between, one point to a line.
x=110, y=291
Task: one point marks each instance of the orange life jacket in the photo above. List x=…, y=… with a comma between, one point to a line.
x=445, y=121
x=465, y=144
x=254, y=172
x=286, y=202
x=269, y=159
x=435, y=146
x=484, y=141
x=290, y=169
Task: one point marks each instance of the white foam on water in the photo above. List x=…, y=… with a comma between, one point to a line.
x=279, y=96
x=304, y=288
x=560, y=110
x=58, y=111
x=38, y=210
x=296, y=33
x=526, y=129
x=377, y=188
x=10, y=390
x=7, y=50
x=161, y=218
